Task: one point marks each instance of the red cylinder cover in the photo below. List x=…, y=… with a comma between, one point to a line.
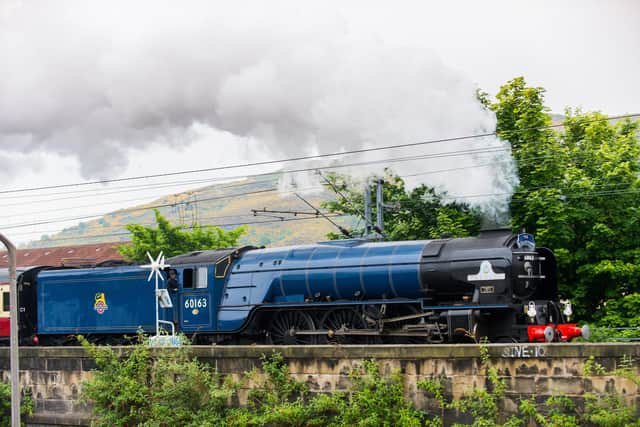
x=565, y=331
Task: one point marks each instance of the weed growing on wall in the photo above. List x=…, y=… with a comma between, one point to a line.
x=610, y=410
x=486, y=405
x=26, y=404
x=138, y=386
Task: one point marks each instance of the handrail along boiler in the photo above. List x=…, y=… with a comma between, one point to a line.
x=497, y=285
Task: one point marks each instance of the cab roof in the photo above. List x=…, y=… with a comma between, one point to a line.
x=207, y=256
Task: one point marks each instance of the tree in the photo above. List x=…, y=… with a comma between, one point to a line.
x=579, y=193
x=174, y=239
x=417, y=214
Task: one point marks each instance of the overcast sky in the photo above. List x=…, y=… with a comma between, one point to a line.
x=102, y=90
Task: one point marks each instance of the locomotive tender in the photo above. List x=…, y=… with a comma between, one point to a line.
x=497, y=285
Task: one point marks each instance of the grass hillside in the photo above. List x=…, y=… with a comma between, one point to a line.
x=214, y=205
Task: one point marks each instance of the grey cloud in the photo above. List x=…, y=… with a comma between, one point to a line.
x=89, y=80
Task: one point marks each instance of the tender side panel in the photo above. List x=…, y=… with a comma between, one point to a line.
x=99, y=300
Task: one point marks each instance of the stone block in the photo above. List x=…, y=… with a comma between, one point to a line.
x=58, y=406
x=55, y=392
x=72, y=391
x=82, y=409
x=312, y=383
x=510, y=406
x=303, y=366
x=626, y=386
x=238, y=365
x=410, y=367
x=343, y=382
x=461, y=385
x=608, y=363
x=573, y=367
x=566, y=385
x=63, y=364
x=45, y=377
x=32, y=363
x=435, y=367
x=523, y=385
x=464, y=366
x=87, y=364
x=542, y=386
x=601, y=384
x=24, y=377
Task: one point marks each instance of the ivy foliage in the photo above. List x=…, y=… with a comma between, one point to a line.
x=26, y=405
x=175, y=239
x=136, y=386
x=579, y=193
x=486, y=406
x=420, y=213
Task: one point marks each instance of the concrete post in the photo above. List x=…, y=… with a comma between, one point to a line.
x=379, y=206
x=13, y=325
x=367, y=210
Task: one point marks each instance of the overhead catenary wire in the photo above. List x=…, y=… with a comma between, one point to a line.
x=408, y=202
x=343, y=230
x=399, y=159
x=442, y=197
x=218, y=179
x=310, y=157
x=53, y=221
x=79, y=194
x=213, y=180
x=122, y=226
x=402, y=176
x=234, y=224
x=269, y=174
x=199, y=192
x=582, y=195
x=456, y=153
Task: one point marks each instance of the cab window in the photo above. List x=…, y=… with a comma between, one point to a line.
x=187, y=278
x=221, y=267
x=202, y=277
x=5, y=301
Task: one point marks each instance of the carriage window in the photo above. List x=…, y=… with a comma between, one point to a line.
x=187, y=278
x=5, y=301
x=202, y=277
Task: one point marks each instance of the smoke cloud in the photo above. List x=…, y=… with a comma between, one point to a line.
x=95, y=79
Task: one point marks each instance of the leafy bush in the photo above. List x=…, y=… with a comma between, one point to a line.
x=26, y=404
x=160, y=388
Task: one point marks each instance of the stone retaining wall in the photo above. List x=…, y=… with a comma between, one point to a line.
x=55, y=374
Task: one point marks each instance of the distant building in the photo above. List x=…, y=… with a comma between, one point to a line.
x=67, y=256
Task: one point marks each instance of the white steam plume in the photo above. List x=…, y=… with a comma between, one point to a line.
x=93, y=79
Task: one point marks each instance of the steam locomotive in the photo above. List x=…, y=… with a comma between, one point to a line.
x=497, y=285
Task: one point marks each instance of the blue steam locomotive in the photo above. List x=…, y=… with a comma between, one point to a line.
x=497, y=285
